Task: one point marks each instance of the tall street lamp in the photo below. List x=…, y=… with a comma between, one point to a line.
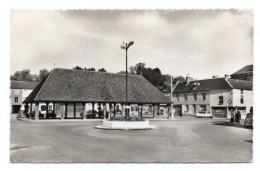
x=126, y=46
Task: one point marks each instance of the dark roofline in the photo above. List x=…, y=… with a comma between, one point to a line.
x=194, y=81
x=189, y=91
x=25, y=81
x=245, y=72
x=35, y=95
x=96, y=72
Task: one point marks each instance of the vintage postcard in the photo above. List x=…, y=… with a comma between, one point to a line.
x=131, y=86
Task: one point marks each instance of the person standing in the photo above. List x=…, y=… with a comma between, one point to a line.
x=232, y=116
x=238, y=117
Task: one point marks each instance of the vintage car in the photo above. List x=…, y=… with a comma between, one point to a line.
x=203, y=114
x=249, y=120
x=90, y=114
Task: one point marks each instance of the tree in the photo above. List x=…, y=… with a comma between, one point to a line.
x=78, y=68
x=157, y=70
x=24, y=75
x=42, y=74
x=139, y=68
x=179, y=78
x=90, y=69
x=102, y=70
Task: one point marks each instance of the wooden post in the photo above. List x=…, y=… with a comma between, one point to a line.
x=53, y=108
x=104, y=111
x=31, y=109
x=47, y=109
x=141, y=114
x=93, y=109
x=84, y=111
x=114, y=109
x=123, y=109
x=74, y=110
x=110, y=111
x=139, y=110
x=99, y=109
x=26, y=109
x=153, y=112
x=66, y=110
x=158, y=109
x=36, y=115
x=62, y=111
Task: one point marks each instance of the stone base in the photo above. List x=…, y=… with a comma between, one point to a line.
x=126, y=125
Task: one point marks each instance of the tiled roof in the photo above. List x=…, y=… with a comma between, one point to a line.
x=213, y=84
x=64, y=85
x=244, y=70
x=23, y=84
x=241, y=84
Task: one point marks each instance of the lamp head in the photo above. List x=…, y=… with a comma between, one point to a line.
x=131, y=43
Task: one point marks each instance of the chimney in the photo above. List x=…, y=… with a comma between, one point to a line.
x=188, y=79
x=215, y=76
x=226, y=76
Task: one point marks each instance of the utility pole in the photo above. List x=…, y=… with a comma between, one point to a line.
x=126, y=46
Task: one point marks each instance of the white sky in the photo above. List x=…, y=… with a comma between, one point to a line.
x=202, y=43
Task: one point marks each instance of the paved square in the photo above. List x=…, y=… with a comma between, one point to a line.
x=188, y=140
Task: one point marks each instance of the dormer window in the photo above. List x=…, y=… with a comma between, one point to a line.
x=195, y=85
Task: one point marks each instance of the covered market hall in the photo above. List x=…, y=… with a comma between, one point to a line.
x=81, y=94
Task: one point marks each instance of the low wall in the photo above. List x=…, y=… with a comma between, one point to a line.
x=126, y=124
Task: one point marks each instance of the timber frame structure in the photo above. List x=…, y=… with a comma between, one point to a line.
x=80, y=87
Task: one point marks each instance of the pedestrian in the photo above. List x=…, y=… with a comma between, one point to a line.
x=232, y=116
x=238, y=116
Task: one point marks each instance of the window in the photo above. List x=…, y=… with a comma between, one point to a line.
x=50, y=107
x=242, y=91
x=220, y=100
x=195, y=96
x=16, y=99
x=177, y=97
x=203, y=96
x=43, y=108
x=202, y=108
x=187, y=108
x=242, y=100
x=185, y=97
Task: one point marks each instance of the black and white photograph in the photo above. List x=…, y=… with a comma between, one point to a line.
x=131, y=86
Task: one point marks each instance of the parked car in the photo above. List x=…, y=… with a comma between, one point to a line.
x=51, y=114
x=41, y=116
x=203, y=114
x=90, y=114
x=249, y=120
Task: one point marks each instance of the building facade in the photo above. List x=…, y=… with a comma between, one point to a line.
x=218, y=96
x=19, y=91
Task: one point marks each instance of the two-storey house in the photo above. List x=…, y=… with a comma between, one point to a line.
x=19, y=91
x=218, y=96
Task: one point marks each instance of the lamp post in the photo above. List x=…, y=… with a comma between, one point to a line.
x=126, y=46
